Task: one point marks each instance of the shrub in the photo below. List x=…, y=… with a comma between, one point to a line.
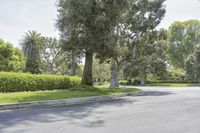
x=123, y=82
x=130, y=82
x=74, y=80
x=17, y=82
x=170, y=81
x=177, y=75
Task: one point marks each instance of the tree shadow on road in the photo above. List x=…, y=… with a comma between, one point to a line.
x=87, y=115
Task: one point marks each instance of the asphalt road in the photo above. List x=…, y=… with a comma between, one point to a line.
x=159, y=110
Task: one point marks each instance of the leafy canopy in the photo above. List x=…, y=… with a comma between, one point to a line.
x=11, y=59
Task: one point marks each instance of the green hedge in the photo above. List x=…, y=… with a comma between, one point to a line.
x=170, y=81
x=17, y=82
x=137, y=82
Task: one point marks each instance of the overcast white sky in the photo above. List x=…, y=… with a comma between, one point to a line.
x=19, y=16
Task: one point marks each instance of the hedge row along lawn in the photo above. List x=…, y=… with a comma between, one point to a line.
x=172, y=84
x=18, y=82
x=76, y=92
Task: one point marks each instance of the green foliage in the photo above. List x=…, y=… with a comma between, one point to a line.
x=134, y=28
x=176, y=75
x=31, y=45
x=197, y=55
x=11, y=59
x=183, y=39
x=173, y=84
x=74, y=80
x=193, y=66
x=123, y=82
x=54, y=60
x=87, y=26
x=101, y=71
x=159, y=69
x=16, y=82
x=149, y=57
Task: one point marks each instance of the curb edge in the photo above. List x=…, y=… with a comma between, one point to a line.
x=66, y=102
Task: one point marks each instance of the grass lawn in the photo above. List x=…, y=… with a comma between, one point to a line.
x=58, y=94
x=172, y=84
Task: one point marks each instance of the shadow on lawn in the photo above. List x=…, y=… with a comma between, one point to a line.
x=88, y=115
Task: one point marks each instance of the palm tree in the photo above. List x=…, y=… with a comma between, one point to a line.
x=31, y=43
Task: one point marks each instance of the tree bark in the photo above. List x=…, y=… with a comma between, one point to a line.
x=114, y=74
x=73, y=65
x=87, y=78
x=142, y=77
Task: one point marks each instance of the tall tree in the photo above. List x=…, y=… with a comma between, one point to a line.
x=52, y=55
x=193, y=66
x=74, y=59
x=190, y=67
x=197, y=71
x=31, y=44
x=11, y=59
x=142, y=16
x=183, y=39
x=87, y=25
x=149, y=56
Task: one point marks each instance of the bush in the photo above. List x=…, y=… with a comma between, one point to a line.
x=17, y=82
x=177, y=75
x=123, y=82
x=130, y=82
x=169, y=81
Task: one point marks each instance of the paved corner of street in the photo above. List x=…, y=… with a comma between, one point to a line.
x=158, y=110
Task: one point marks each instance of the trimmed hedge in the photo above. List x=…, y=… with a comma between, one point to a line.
x=18, y=82
x=171, y=81
x=149, y=82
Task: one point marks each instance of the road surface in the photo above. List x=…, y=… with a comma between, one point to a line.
x=159, y=110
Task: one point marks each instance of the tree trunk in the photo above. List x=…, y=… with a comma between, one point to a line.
x=129, y=81
x=52, y=70
x=87, y=78
x=73, y=65
x=142, y=77
x=114, y=75
x=134, y=53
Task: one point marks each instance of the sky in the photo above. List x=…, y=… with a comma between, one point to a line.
x=20, y=16
x=180, y=10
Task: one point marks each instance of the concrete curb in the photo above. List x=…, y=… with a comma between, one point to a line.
x=66, y=102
